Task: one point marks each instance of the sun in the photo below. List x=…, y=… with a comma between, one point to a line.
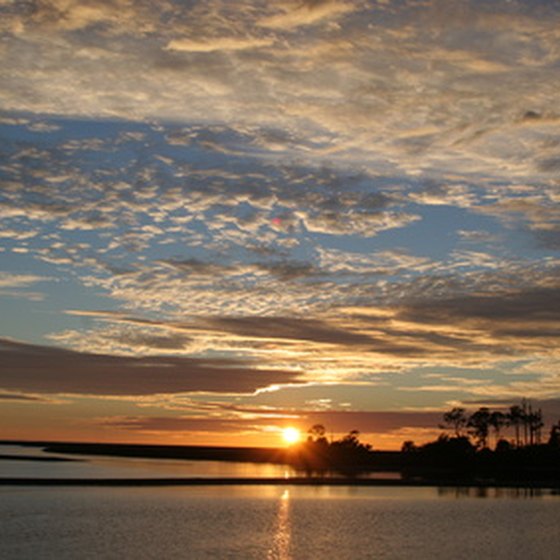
x=291, y=435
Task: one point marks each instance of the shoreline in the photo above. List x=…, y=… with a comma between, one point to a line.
x=295, y=481
x=7, y=457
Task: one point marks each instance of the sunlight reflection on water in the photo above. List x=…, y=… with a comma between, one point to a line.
x=282, y=537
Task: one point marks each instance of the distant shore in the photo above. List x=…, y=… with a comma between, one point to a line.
x=295, y=481
x=175, y=452
x=6, y=457
x=439, y=471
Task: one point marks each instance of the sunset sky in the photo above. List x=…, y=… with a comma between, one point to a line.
x=220, y=218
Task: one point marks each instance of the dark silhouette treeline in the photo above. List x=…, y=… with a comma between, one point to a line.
x=318, y=455
x=464, y=454
x=526, y=423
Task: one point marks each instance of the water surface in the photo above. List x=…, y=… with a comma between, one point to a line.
x=96, y=466
x=274, y=522
x=264, y=522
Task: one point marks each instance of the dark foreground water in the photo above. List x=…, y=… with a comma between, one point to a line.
x=272, y=522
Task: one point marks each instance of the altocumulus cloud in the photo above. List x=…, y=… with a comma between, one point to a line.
x=306, y=190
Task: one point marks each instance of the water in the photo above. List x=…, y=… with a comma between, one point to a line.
x=125, y=467
x=275, y=523
x=96, y=466
x=265, y=522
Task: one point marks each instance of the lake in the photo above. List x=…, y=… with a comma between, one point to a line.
x=96, y=466
x=271, y=522
x=276, y=523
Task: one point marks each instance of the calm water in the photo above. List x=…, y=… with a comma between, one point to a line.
x=275, y=523
x=124, y=467
x=268, y=522
x=117, y=467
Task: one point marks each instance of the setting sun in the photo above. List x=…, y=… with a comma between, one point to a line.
x=291, y=435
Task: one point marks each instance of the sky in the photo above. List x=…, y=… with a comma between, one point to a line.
x=220, y=218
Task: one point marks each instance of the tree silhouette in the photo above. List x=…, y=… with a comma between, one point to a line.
x=351, y=439
x=346, y=455
x=525, y=420
x=317, y=433
x=497, y=420
x=554, y=439
x=456, y=419
x=479, y=423
x=408, y=446
x=535, y=422
x=515, y=418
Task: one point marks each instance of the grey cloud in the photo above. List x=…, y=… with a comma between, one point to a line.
x=548, y=239
x=419, y=321
x=540, y=306
x=73, y=15
x=291, y=270
x=366, y=224
x=549, y=407
x=287, y=328
x=365, y=421
x=20, y=397
x=196, y=267
x=342, y=334
x=478, y=236
x=549, y=165
x=531, y=116
x=173, y=424
x=152, y=341
x=41, y=369
x=335, y=421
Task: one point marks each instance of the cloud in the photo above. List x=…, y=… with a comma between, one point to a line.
x=292, y=14
x=338, y=422
x=11, y=280
x=530, y=308
x=539, y=209
x=41, y=369
x=218, y=44
x=132, y=337
x=357, y=84
x=72, y=15
x=358, y=343
x=460, y=196
x=287, y=328
x=329, y=189
x=20, y=397
x=17, y=235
